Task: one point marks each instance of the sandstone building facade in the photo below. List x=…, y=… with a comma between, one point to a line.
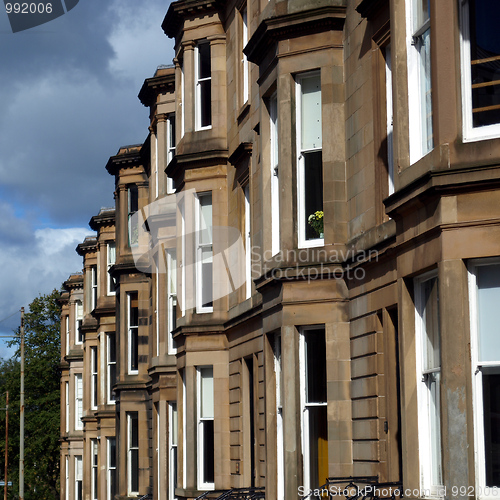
x=300, y=277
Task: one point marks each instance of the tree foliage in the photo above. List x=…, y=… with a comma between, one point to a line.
x=42, y=402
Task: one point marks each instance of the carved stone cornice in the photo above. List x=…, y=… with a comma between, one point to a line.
x=158, y=84
x=182, y=9
x=293, y=25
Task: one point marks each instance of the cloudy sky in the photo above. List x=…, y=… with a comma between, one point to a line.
x=68, y=100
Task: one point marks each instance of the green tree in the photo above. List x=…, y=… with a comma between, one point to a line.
x=42, y=402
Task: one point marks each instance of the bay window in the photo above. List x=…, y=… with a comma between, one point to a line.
x=203, y=91
x=480, y=69
x=205, y=413
x=314, y=405
x=484, y=286
x=309, y=158
x=428, y=352
x=419, y=78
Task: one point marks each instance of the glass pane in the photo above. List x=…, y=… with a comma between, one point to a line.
x=311, y=112
x=112, y=483
x=111, y=254
x=491, y=402
x=134, y=349
x=433, y=385
x=488, y=284
x=207, y=392
x=133, y=200
x=134, y=431
x=134, y=468
x=206, y=278
x=318, y=445
x=206, y=103
x=421, y=13
x=315, y=366
x=208, y=451
x=174, y=424
x=432, y=350
x=111, y=348
x=172, y=272
x=204, y=60
x=424, y=48
x=485, y=61
x=205, y=223
x=174, y=466
x=313, y=180
x=112, y=452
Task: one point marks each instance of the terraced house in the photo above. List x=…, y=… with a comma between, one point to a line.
x=298, y=286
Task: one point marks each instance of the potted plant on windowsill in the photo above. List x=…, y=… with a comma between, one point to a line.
x=315, y=220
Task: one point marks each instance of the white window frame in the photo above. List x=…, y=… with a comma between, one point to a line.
x=415, y=100
x=482, y=491
x=78, y=381
x=110, y=337
x=275, y=184
x=93, y=287
x=280, y=463
x=182, y=210
x=130, y=332
x=389, y=106
x=156, y=167
x=94, y=467
x=305, y=406
x=248, y=243
x=66, y=481
x=132, y=417
x=426, y=456
x=182, y=105
x=94, y=378
x=110, y=250
x=110, y=469
x=470, y=133
x=184, y=430
x=171, y=255
x=301, y=201
x=131, y=213
x=66, y=397
x=202, y=485
x=66, y=325
x=200, y=308
x=198, y=81
x=172, y=448
x=170, y=144
x=78, y=321
x=78, y=477
x=244, y=60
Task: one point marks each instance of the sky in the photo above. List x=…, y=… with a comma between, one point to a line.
x=68, y=101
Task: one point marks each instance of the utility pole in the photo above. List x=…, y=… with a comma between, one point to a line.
x=21, y=415
x=6, y=445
